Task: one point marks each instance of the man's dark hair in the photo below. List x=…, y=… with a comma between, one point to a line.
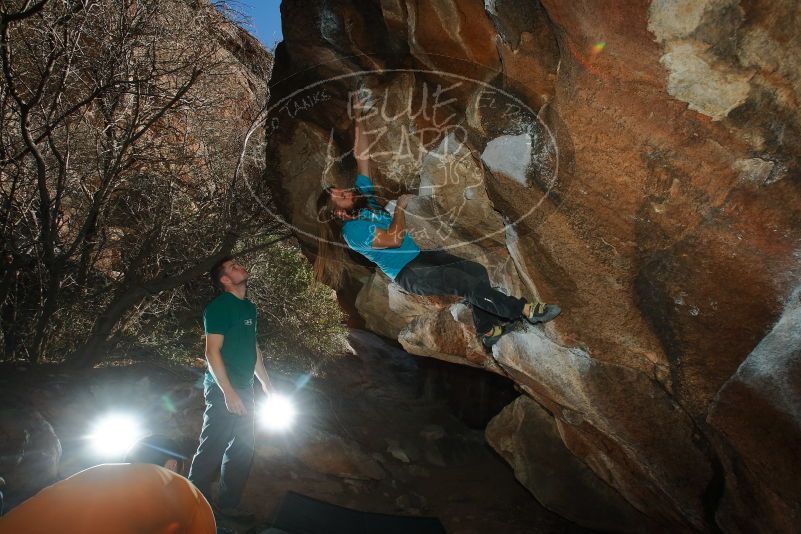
x=217, y=271
x=156, y=449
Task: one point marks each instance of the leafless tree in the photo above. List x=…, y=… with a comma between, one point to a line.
x=122, y=166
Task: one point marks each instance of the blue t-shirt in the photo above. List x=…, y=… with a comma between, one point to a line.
x=359, y=234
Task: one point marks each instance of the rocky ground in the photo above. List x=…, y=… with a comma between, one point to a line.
x=372, y=435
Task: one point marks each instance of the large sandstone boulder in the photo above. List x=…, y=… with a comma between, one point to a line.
x=528, y=438
x=636, y=162
x=619, y=421
x=757, y=413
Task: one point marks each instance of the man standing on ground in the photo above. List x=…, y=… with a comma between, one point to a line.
x=227, y=439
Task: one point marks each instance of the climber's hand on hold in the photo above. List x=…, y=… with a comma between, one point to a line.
x=403, y=200
x=360, y=102
x=355, y=105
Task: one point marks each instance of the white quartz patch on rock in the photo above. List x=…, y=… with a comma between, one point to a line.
x=509, y=155
x=710, y=84
x=709, y=87
x=678, y=19
x=754, y=170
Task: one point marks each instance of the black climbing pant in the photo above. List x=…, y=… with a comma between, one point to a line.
x=227, y=438
x=436, y=272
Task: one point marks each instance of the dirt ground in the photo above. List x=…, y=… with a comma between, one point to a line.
x=370, y=435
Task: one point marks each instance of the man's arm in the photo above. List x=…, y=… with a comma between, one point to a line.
x=261, y=374
x=392, y=237
x=214, y=343
x=361, y=145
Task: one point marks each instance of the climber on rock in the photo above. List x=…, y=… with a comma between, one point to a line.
x=359, y=217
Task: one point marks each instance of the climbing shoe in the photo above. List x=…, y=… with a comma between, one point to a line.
x=542, y=313
x=492, y=337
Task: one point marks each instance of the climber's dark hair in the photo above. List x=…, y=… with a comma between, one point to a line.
x=156, y=449
x=329, y=263
x=329, y=260
x=216, y=272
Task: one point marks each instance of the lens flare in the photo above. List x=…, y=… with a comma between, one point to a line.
x=277, y=413
x=598, y=47
x=115, y=434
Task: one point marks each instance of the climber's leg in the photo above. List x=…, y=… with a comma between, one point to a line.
x=423, y=282
x=483, y=320
x=479, y=293
x=534, y=313
x=429, y=275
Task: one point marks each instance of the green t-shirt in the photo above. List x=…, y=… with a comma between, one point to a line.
x=235, y=319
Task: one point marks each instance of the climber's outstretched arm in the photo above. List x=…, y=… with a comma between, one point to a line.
x=361, y=145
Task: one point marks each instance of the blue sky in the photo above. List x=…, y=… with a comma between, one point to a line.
x=265, y=18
